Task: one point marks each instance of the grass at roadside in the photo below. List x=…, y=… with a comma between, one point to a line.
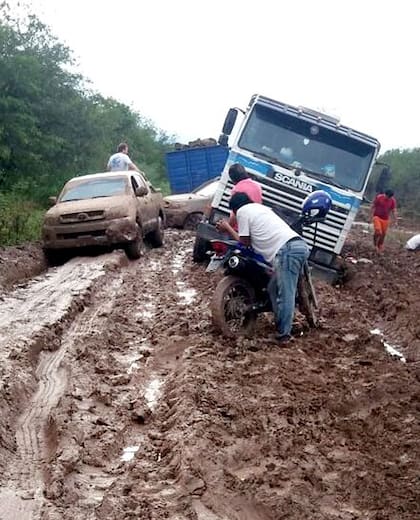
x=20, y=220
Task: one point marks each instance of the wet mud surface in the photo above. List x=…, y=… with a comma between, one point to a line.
x=118, y=399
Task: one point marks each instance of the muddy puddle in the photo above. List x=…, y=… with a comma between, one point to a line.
x=119, y=400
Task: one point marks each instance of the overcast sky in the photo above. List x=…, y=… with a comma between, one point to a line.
x=183, y=63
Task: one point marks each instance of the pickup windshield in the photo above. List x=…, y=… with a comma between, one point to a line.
x=94, y=188
x=320, y=152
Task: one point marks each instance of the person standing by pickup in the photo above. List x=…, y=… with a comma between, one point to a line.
x=384, y=205
x=120, y=161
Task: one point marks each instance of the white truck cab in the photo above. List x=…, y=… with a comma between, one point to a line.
x=293, y=151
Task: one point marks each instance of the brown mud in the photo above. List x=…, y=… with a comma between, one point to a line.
x=118, y=399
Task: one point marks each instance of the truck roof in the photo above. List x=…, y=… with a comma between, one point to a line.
x=315, y=117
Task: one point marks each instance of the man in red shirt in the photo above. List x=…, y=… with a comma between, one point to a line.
x=383, y=206
x=243, y=184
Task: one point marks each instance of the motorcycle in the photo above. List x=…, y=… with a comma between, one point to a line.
x=249, y=287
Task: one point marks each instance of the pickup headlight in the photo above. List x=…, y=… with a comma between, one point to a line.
x=116, y=212
x=50, y=221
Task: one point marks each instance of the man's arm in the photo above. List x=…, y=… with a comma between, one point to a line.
x=394, y=214
x=132, y=166
x=223, y=225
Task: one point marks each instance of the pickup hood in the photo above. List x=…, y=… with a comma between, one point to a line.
x=81, y=206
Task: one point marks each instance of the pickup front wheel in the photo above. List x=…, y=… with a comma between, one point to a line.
x=134, y=248
x=156, y=236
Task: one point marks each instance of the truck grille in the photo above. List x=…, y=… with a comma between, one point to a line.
x=290, y=198
x=82, y=216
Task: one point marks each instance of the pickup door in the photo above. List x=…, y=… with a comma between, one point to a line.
x=146, y=208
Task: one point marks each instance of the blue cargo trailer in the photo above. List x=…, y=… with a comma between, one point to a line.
x=189, y=168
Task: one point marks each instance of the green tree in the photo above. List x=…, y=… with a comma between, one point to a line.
x=52, y=126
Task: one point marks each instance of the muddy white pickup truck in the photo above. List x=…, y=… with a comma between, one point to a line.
x=105, y=209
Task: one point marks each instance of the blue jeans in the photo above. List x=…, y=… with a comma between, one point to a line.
x=288, y=265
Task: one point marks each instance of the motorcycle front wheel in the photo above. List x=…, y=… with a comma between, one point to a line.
x=231, y=307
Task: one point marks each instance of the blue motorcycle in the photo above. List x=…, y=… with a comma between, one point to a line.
x=249, y=287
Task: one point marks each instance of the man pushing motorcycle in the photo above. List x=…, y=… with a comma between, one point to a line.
x=269, y=235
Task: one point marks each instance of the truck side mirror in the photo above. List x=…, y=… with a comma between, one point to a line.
x=141, y=191
x=230, y=121
x=223, y=140
x=52, y=201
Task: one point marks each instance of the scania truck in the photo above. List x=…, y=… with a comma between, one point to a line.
x=292, y=151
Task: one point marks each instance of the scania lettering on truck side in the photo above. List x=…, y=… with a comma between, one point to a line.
x=293, y=151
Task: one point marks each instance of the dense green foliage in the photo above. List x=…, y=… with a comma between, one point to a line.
x=52, y=127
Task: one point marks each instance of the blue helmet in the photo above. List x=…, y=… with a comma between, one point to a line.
x=318, y=201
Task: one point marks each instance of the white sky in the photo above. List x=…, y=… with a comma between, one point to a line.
x=183, y=63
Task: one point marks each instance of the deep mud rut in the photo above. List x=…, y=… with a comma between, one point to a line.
x=119, y=400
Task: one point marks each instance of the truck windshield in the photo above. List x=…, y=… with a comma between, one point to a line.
x=94, y=188
x=317, y=150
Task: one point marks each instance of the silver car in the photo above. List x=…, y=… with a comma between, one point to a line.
x=186, y=210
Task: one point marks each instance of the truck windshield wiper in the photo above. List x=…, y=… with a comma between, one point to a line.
x=316, y=175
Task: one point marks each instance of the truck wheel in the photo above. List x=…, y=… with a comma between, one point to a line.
x=201, y=246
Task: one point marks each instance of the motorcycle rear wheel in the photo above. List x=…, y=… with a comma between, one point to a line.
x=230, y=307
x=306, y=300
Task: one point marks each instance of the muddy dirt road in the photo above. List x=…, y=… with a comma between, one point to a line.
x=118, y=400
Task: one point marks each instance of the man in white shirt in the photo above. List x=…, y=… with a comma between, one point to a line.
x=120, y=161
x=269, y=235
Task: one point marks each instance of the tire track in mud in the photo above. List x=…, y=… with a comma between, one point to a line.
x=46, y=302
x=138, y=360
x=157, y=465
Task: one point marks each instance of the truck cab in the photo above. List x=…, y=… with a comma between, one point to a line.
x=293, y=151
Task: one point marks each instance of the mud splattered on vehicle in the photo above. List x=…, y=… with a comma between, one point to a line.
x=119, y=399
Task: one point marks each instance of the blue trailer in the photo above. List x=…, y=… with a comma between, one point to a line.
x=189, y=168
